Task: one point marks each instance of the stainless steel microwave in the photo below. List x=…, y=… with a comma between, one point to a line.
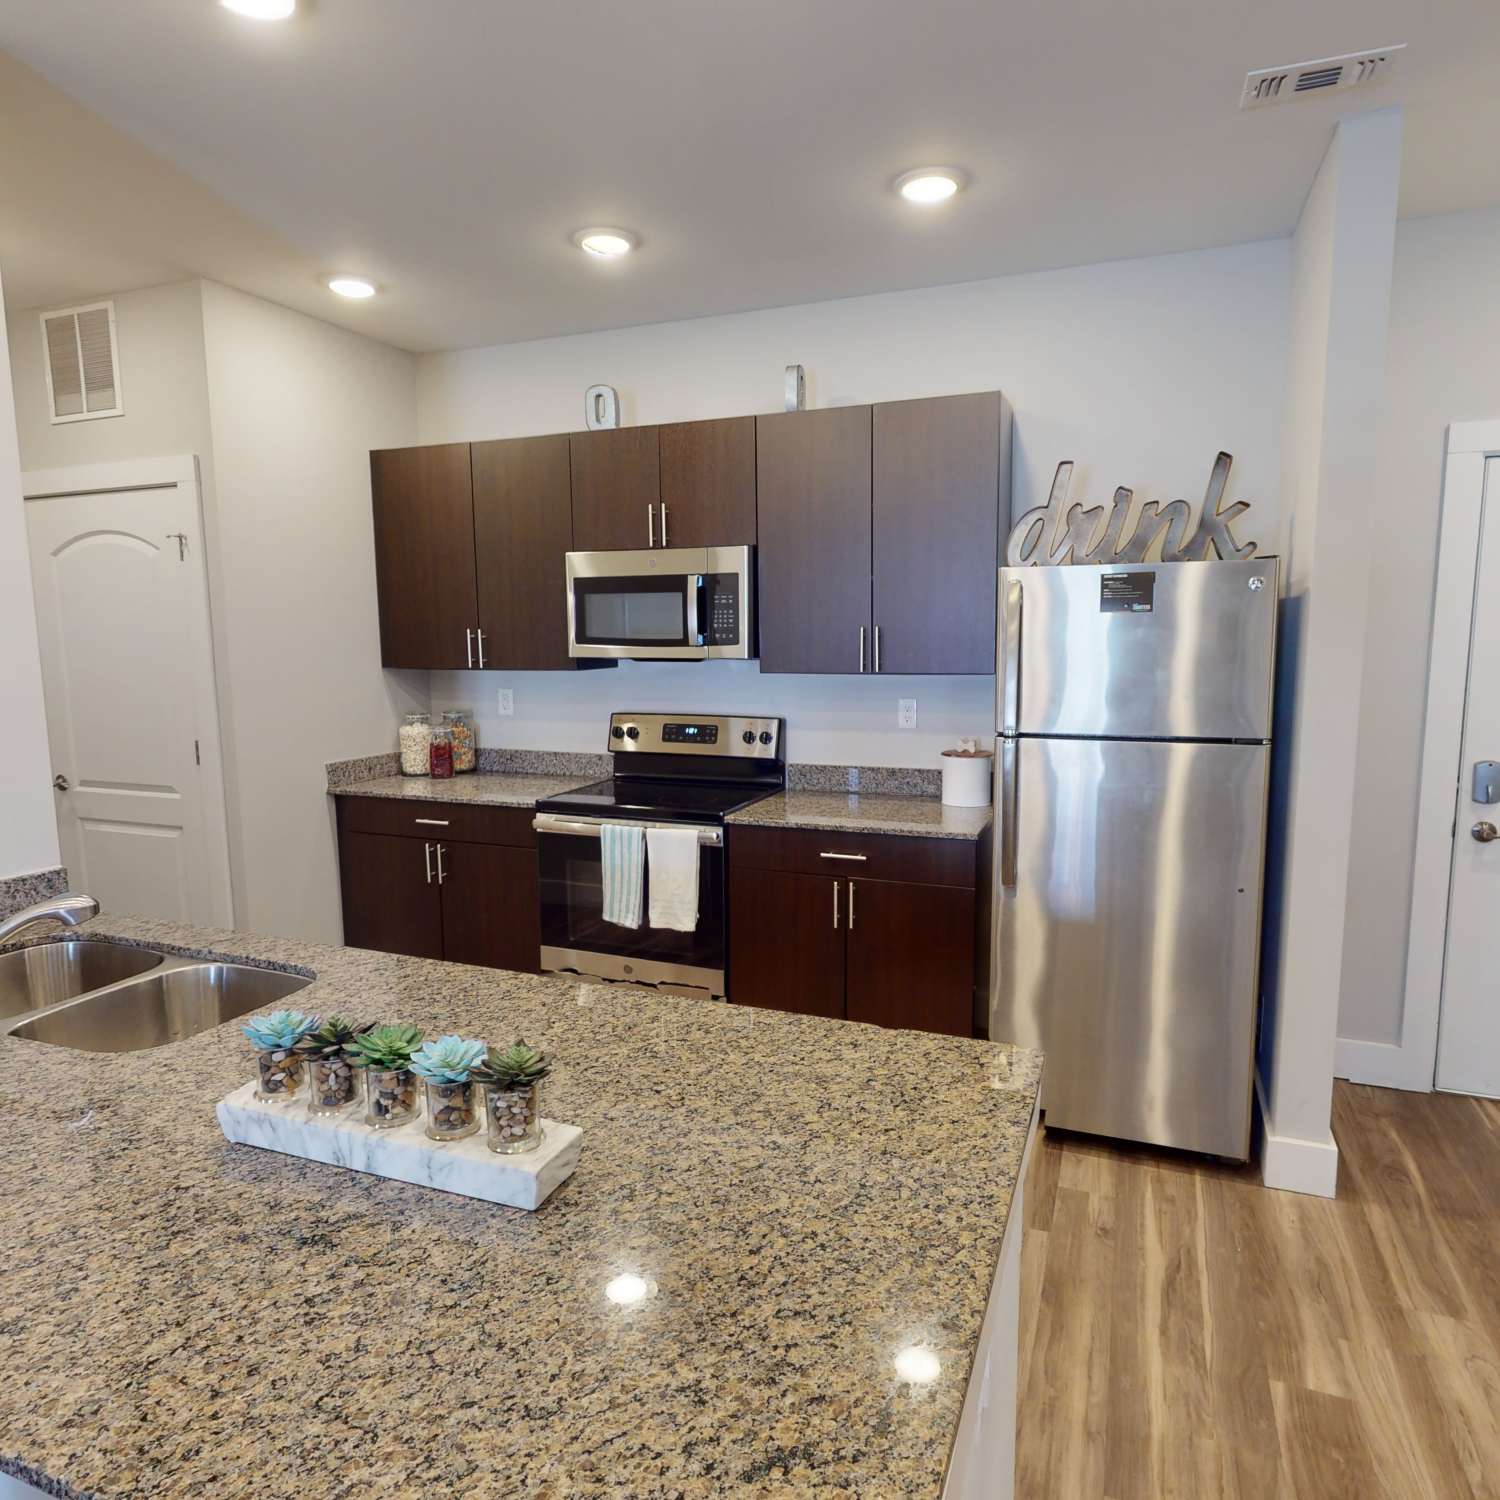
x=669, y=603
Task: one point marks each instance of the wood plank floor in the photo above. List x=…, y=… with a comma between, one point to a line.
x=1187, y=1333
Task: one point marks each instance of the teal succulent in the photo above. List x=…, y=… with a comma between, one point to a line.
x=518, y=1067
x=450, y=1059
x=387, y=1049
x=279, y=1031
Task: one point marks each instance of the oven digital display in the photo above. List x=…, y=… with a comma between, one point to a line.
x=690, y=734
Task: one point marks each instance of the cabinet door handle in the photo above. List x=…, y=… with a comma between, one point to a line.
x=664, y=523
x=441, y=872
x=829, y=854
x=427, y=851
x=650, y=524
x=469, y=645
x=851, y=905
x=835, y=906
x=479, y=636
x=432, y=822
x=861, y=648
x=877, y=650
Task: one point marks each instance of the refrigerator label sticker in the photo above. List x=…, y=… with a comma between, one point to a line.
x=1126, y=593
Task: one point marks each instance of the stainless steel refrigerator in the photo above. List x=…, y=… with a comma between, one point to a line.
x=1133, y=754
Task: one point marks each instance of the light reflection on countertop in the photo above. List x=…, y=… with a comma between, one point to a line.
x=779, y=1225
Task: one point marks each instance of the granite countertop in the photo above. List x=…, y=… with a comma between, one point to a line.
x=865, y=812
x=805, y=1198
x=496, y=788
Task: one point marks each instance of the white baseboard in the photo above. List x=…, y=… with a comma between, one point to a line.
x=1383, y=1064
x=1292, y=1164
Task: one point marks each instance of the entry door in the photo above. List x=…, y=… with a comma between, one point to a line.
x=1469, y=1032
x=127, y=669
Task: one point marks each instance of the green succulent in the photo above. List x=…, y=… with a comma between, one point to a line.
x=450, y=1059
x=278, y=1031
x=518, y=1067
x=387, y=1049
x=332, y=1038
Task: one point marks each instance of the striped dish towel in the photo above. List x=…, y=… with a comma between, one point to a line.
x=622, y=860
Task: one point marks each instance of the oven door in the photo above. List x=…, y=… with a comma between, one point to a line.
x=638, y=604
x=577, y=939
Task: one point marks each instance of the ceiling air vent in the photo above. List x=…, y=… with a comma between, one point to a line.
x=1272, y=85
x=83, y=364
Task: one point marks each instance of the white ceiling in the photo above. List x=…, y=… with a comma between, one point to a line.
x=447, y=148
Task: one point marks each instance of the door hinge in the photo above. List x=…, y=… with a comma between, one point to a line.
x=197, y=754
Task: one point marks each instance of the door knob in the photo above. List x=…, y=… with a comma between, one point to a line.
x=60, y=782
x=1486, y=833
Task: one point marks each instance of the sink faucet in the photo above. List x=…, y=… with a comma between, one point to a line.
x=70, y=910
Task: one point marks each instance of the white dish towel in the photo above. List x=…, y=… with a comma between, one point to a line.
x=622, y=863
x=673, y=856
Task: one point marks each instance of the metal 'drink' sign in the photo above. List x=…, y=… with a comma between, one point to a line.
x=1061, y=533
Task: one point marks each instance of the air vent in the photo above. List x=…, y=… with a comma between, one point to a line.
x=83, y=364
x=1272, y=85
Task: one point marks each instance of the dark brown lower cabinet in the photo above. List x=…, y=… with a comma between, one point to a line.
x=784, y=951
x=888, y=951
x=909, y=958
x=430, y=887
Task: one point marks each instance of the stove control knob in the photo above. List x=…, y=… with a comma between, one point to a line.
x=632, y=733
x=617, y=732
x=748, y=736
x=765, y=736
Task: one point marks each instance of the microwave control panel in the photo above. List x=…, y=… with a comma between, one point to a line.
x=723, y=596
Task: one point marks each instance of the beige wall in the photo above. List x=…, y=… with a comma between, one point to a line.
x=28, y=824
x=1443, y=365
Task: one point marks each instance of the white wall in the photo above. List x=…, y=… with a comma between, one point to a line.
x=1341, y=280
x=296, y=405
x=28, y=823
x=1443, y=365
x=1138, y=370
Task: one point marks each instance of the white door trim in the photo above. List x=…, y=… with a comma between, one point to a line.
x=1411, y=1063
x=178, y=472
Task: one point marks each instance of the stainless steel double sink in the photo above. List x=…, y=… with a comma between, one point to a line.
x=104, y=997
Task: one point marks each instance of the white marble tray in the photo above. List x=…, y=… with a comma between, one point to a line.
x=467, y=1167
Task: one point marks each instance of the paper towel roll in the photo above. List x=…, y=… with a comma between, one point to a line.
x=966, y=777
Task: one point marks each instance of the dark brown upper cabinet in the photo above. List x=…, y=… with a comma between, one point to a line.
x=523, y=529
x=424, y=555
x=616, y=489
x=937, y=479
x=708, y=483
x=813, y=535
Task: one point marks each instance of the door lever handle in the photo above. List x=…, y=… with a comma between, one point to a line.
x=60, y=782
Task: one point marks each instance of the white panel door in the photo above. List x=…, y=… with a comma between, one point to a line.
x=1469, y=1033
x=122, y=614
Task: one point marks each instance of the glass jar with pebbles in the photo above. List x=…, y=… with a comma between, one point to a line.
x=456, y=722
x=334, y=1081
x=384, y=1053
x=513, y=1097
x=415, y=740
x=276, y=1037
x=447, y=1066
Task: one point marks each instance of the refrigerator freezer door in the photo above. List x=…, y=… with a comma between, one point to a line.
x=1128, y=932
x=1171, y=651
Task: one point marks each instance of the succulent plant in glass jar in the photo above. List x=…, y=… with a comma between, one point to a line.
x=384, y=1052
x=275, y=1037
x=447, y=1066
x=335, y=1082
x=512, y=1097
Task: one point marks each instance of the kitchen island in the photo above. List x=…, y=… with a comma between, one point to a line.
x=811, y=1213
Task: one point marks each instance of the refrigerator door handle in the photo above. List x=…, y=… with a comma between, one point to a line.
x=1010, y=703
x=1009, y=755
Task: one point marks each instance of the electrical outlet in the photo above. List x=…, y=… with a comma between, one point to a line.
x=505, y=704
x=906, y=713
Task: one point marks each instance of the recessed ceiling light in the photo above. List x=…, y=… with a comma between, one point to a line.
x=606, y=243
x=351, y=286
x=929, y=184
x=261, y=10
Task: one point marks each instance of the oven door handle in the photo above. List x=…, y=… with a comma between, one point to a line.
x=587, y=828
